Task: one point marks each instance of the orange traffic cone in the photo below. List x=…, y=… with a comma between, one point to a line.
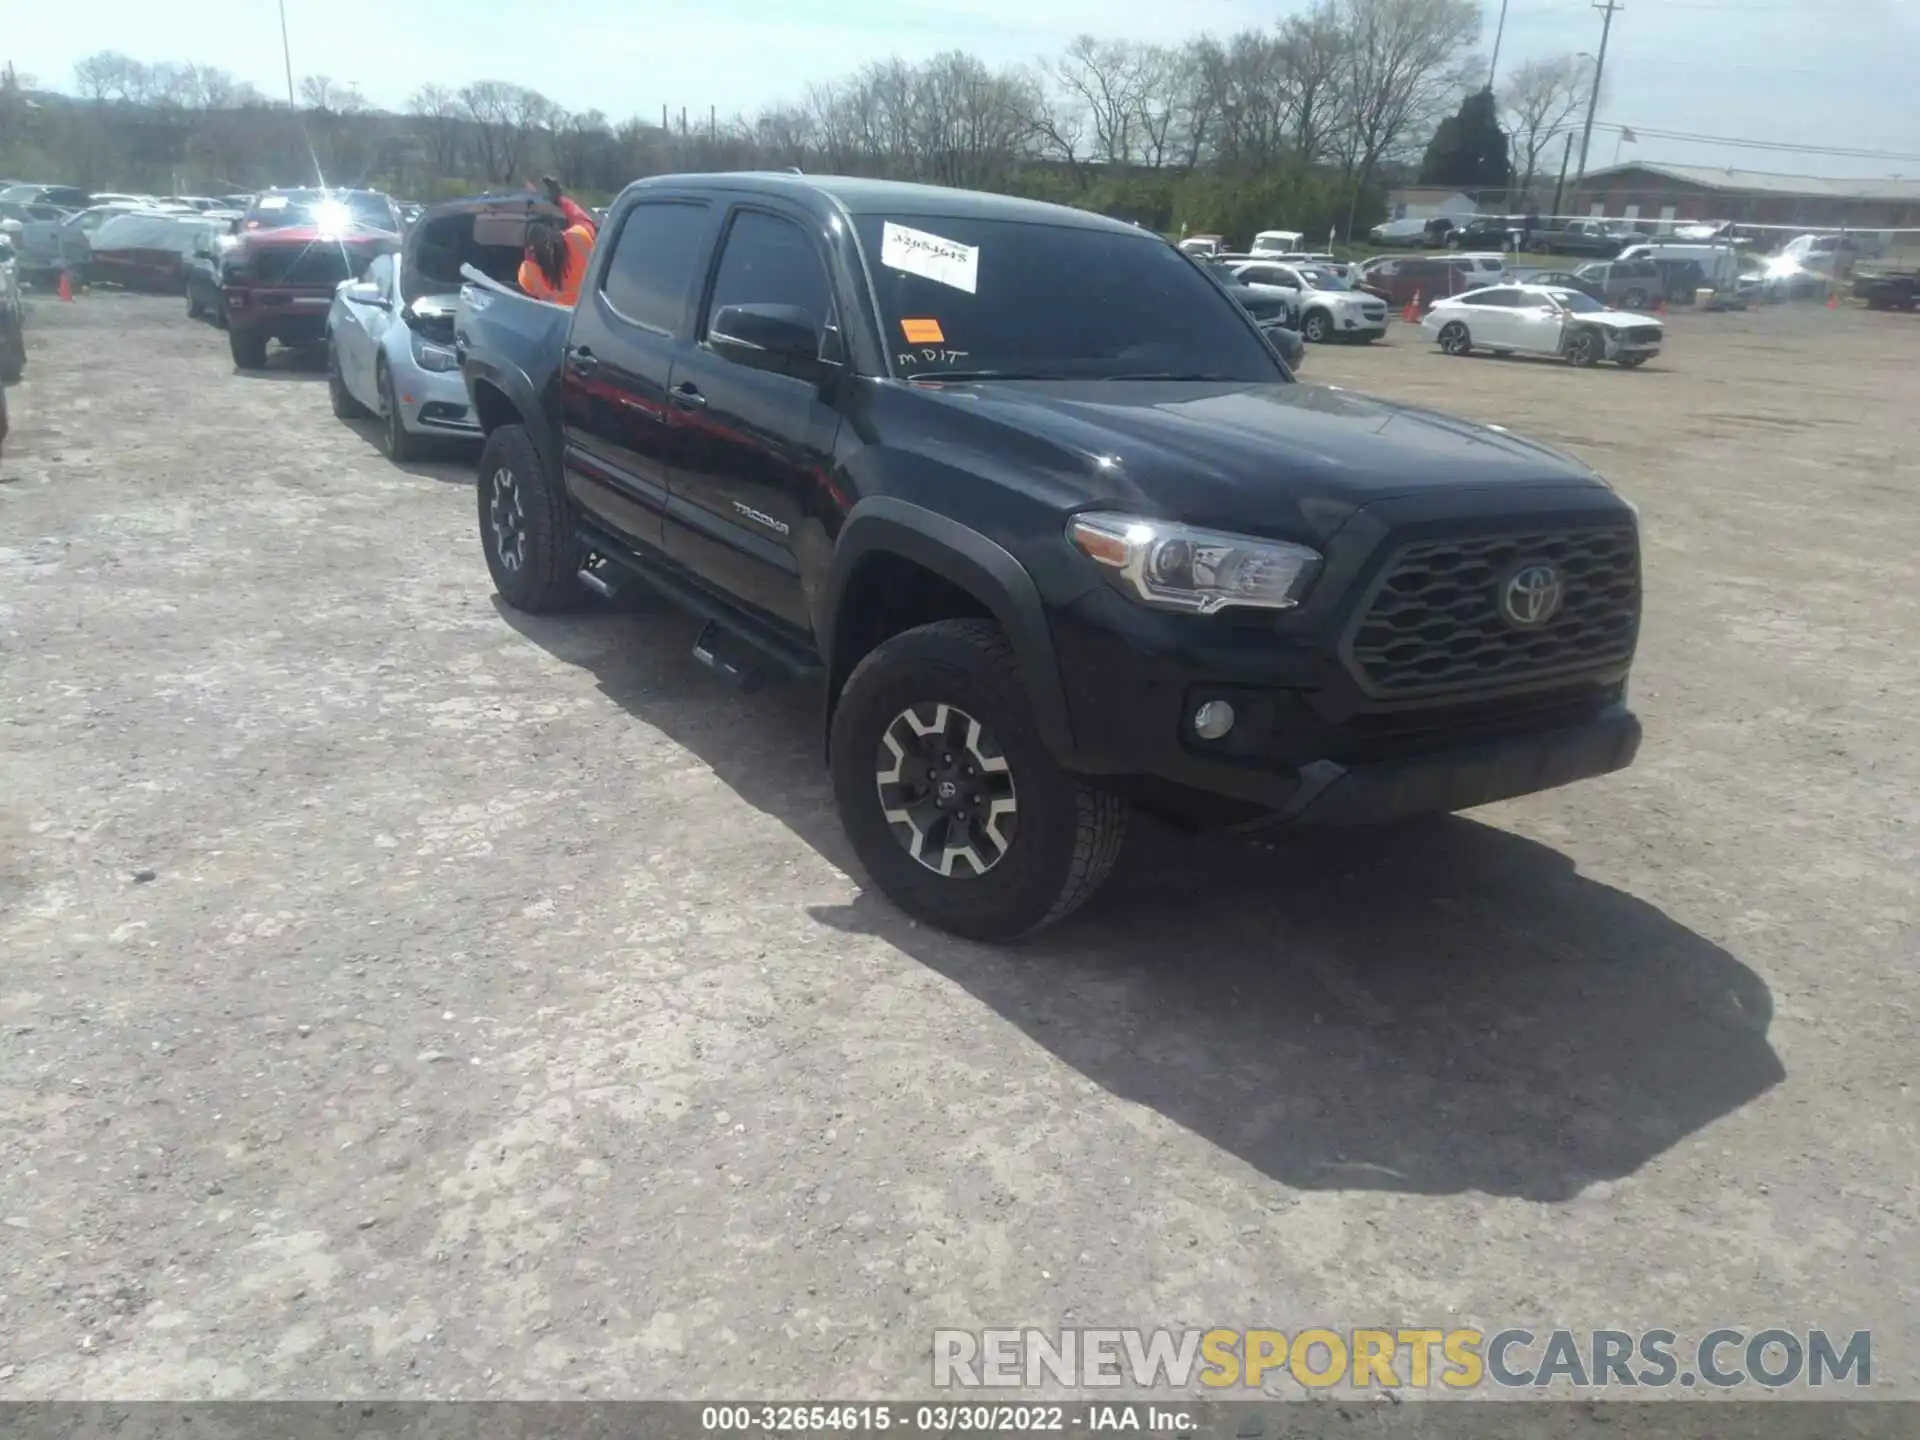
x=1833, y=299
x=1660, y=306
x=66, y=287
x=1412, y=313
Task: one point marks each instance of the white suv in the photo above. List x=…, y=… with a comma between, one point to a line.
x=1329, y=308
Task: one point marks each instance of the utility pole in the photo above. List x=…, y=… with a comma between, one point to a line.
x=1566, y=154
x=1499, y=33
x=1599, y=74
x=286, y=53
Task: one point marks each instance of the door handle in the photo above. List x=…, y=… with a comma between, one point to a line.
x=688, y=397
x=583, y=360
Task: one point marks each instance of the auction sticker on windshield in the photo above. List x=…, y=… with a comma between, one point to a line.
x=923, y=332
x=932, y=257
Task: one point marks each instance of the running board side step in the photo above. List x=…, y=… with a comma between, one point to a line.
x=733, y=645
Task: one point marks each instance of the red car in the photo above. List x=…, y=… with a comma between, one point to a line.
x=142, y=250
x=294, y=249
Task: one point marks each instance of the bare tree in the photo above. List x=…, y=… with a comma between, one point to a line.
x=502, y=119
x=1102, y=81
x=1402, y=67
x=1313, y=48
x=436, y=126
x=1542, y=97
x=107, y=75
x=331, y=96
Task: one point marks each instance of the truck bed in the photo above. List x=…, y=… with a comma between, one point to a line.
x=506, y=337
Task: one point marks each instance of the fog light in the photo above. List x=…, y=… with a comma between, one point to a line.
x=1213, y=720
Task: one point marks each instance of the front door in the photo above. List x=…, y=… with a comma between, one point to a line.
x=1537, y=326
x=752, y=449
x=362, y=327
x=631, y=325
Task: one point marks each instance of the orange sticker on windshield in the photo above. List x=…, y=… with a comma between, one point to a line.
x=923, y=332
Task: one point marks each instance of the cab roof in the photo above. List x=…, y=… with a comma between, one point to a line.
x=857, y=195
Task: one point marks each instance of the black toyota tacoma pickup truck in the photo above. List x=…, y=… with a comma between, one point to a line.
x=1039, y=508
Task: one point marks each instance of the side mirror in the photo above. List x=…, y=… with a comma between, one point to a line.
x=781, y=338
x=365, y=292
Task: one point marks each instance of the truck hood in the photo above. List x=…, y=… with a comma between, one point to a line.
x=1270, y=458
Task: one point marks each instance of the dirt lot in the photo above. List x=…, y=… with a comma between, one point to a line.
x=400, y=997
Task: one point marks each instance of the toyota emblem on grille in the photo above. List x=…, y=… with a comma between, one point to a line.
x=1532, y=595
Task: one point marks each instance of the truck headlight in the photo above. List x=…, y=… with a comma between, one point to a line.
x=429, y=356
x=1178, y=567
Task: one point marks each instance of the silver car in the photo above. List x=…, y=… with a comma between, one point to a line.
x=390, y=334
x=390, y=355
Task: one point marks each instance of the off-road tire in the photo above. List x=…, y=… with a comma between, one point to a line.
x=1455, y=339
x=1317, y=327
x=345, y=407
x=249, y=349
x=1585, y=348
x=400, y=443
x=547, y=580
x=1069, y=830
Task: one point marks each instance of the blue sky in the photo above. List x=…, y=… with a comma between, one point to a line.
x=1803, y=71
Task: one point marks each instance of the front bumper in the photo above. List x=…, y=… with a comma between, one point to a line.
x=432, y=402
x=1311, y=744
x=290, y=315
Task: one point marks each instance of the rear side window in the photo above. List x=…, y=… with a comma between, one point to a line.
x=769, y=261
x=659, y=249
x=1504, y=298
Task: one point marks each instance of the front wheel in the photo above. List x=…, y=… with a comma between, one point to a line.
x=249, y=349
x=1583, y=348
x=1454, y=339
x=345, y=407
x=1317, y=327
x=400, y=443
x=526, y=526
x=950, y=798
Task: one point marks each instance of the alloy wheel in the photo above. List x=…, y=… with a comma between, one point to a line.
x=946, y=790
x=509, y=520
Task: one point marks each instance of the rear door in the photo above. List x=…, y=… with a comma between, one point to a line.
x=634, y=320
x=1490, y=317
x=752, y=449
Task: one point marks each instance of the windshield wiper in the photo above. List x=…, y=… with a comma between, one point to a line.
x=1171, y=375
x=942, y=375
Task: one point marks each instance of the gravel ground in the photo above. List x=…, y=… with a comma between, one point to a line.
x=404, y=998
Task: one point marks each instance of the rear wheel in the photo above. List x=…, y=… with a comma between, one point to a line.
x=194, y=308
x=400, y=443
x=950, y=798
x=1454, y=339
x=249, y=349
x=526, y=527
x=1634, y=299
x=345, y=406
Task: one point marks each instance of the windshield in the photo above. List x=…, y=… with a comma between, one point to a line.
x=1321, y=278
x=320, y=208
x=1011, y=298
x=1573, y=300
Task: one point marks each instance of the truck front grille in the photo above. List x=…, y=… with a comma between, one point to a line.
x=1435, y=622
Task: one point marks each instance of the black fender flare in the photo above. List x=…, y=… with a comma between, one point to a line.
x=511, y=382
x=883, y=524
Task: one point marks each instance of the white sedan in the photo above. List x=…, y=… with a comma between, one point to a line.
x=1542, y=320
x=1328, y=308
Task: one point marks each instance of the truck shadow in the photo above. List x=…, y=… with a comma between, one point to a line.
x=1449, y=1007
